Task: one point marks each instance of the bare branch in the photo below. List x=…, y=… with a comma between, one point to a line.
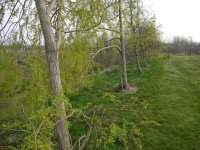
x=86, y=138
x=95, y=54
x=111, y=30
x=112, y=40
x=9, y=16
x=88, y=133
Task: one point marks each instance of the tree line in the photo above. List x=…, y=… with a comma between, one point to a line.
x=183, y=46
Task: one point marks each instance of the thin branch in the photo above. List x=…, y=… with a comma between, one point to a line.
x=9, y=16
x=95, y=54
x=83, y=30
x=92, y=27
x=71, y=114
x=112, y=40
x=86, y=138
x=111, y=30
x=78, y=141
x=88, y=133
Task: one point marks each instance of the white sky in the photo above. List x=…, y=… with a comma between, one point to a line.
x=177, y=17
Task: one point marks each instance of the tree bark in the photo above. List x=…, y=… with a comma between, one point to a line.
x=138, y=40
x=139, y=70
x=123, y=50
x=51, y=49
x=145, y=63
x=144, y=59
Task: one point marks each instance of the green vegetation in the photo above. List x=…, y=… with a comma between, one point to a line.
x=79, y=39
x=55, y=95
x=26, y=109
x=173, y=95
x=172, y=89
x=163, y=114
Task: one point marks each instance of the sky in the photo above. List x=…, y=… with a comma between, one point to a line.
x=177, y=17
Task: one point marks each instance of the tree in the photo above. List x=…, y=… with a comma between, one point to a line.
x=134, y=22
x=52, y=44
x=52, y=21
x=181, y=46
x=123, y=50
x=151, y=43
x=116, y=30
x=144, y=36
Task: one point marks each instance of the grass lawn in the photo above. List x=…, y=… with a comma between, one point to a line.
x=171, y=86
x=174, y=102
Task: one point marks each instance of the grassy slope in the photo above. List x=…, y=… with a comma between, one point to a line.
x=172, y=88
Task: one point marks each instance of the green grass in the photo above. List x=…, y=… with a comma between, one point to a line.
x=174, y=102
x=172, y=88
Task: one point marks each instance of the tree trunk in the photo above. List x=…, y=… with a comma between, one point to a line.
x=144, y=58
x=51, y=49
x=123, y=50
x=139, y=70
x=145, y=61
x=138, y=40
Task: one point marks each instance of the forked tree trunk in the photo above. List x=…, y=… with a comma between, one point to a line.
x=51, y=49
x=123, y=50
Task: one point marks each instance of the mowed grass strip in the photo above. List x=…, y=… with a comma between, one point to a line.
x=175, y=104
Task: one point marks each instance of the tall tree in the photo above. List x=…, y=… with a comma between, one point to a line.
x=123, y=50
x=134, y=20
x=116, y=30
x=52, y=44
